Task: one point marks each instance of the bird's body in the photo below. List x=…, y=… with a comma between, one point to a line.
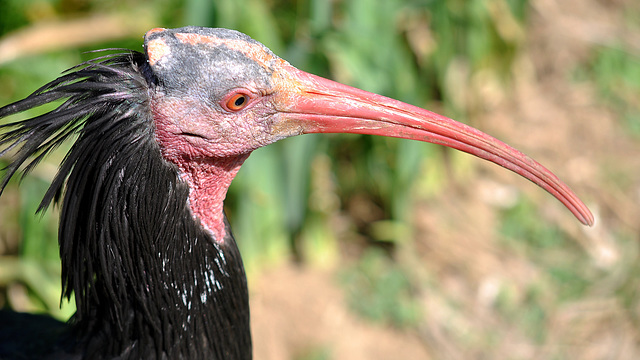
x=145, y=247
x=148, y=279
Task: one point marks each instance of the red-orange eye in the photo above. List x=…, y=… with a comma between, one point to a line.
x=237, y=101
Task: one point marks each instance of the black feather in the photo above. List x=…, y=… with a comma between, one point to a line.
x=149, y=282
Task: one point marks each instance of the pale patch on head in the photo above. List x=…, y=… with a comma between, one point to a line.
x=156, y=49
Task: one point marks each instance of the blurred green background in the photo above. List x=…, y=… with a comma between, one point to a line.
x=364, y=247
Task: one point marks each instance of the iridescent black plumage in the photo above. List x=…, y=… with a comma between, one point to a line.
x=148, y=280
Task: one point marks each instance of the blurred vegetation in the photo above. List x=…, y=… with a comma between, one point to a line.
x=380, y=290
x=616, y=73
x=320, y=199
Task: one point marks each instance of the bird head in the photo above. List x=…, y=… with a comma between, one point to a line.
x=221, y=95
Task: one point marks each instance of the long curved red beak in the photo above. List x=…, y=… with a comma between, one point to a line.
x=313, y=104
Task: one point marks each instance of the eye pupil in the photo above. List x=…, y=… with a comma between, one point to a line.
x=239, y=100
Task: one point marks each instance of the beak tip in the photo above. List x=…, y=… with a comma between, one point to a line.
x=582, y=213
x=589, y=219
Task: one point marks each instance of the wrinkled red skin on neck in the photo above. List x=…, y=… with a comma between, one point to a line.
x=207, y=173
x=209, y=181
